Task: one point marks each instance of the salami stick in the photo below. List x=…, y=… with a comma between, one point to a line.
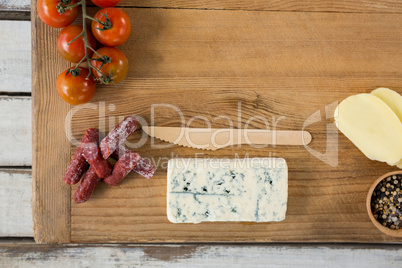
x=118, y=135
x=78, y=165
x=144, y=167
x=87, y=186
x=93, y=156
x=122, y=167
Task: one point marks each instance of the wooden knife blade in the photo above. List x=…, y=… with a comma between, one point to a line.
x=216, y=138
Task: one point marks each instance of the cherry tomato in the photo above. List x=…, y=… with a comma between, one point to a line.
x=120, y=27
x=106, y=3
x=76, y=50
x=116, y=69
x=48, y=13
x=76, y=89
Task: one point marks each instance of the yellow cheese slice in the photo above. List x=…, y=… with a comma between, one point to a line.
x=372, y=126
x=394, y=101
x=392, y=98
x=399, y=164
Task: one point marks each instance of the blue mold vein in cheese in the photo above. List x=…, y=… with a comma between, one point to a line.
x=250, y=189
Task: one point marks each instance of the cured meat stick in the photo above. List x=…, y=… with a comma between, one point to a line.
x=78, y=164
x=93, y=156
x=144, y=167
x=122, y=167
x=87, y=186
x=118, y=135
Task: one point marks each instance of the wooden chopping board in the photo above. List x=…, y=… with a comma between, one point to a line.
x=289, y=64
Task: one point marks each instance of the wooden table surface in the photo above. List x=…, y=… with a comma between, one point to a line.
x=17, y=248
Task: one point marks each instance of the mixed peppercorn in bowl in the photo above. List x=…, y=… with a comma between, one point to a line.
x=384, y=203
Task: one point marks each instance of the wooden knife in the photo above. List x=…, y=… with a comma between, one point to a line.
x=216, y=138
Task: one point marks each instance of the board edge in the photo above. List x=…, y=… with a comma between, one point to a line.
x=42, y=206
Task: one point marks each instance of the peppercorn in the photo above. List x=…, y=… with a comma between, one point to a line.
x=386, y=202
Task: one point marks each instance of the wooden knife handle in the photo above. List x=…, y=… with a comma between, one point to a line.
x=275, y=137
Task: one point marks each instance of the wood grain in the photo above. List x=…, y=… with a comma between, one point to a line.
x=15, y=131
x=15, y=15
x=283, y=256
x=51, y=198
x=15, y=202
x=275, y=64
x=15, y=208
x=15, y=59
x=361, y=6
x=15, y=5
x=15, y=10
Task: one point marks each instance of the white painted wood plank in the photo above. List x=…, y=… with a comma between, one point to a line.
x=198, y=256
x=15, y=5
x=15, y=56
x=15, y=131
x=15, y=202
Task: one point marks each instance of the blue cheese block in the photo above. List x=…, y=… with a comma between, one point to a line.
x=250, y=189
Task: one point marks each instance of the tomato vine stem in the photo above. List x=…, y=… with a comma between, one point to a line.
x=106, y=25
x=104, y=79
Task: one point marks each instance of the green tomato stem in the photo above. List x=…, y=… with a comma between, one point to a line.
x=104, y=78
x=106, y=25
x=75, y=38
x=93, y=67
x=74, y=5
x=98, y=21
x=79, y=63
x=99, y=55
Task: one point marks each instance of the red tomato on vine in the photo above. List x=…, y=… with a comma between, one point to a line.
x=49, y=14
x=75, y=51
x=116, y=69
x=110, y=26
x=74, y=87
x=116, y=28
x=106, y=3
